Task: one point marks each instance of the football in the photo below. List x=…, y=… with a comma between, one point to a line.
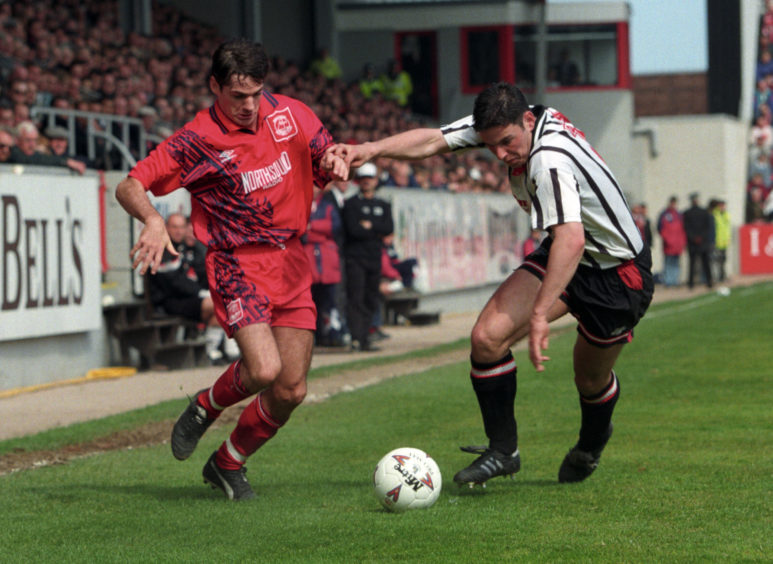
x=407, y=478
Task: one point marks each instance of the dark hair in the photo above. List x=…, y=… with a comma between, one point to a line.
x=500, y=104
x=239, y=57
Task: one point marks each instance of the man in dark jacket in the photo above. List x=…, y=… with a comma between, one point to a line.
x=699, y=227
x=367, y=220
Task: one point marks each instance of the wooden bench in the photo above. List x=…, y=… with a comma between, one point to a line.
x=162, y=342
x=404, y=305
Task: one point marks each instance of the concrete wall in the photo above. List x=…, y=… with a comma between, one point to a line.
x=705, y=154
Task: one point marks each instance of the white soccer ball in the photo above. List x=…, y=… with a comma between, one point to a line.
x=407, y=478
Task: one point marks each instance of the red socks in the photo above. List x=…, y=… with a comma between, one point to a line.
x=255, y=427
x=226, y=391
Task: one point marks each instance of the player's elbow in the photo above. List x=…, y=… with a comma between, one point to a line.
x=570, y=236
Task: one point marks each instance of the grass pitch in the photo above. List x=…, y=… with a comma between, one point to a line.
x=687, y=476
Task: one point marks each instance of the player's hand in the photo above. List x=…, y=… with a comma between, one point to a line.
x=538, y=341
x=354, y=155
x=150, y=246
x=335, y=164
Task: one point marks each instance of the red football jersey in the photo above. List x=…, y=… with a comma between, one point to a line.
x=247, y=187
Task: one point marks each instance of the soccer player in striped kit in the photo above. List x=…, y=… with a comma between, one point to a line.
x=249, y=162
x=593, y=265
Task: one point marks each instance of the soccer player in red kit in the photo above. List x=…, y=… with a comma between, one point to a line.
x=249, y=162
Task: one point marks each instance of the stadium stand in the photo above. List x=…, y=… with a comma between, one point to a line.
x=119, y=94
x=759, y=186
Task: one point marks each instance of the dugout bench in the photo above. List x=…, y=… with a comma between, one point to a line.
x=163, y=342
x=403, y=307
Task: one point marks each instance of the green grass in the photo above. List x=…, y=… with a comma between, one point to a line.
x=687, y=477
x=90, y=430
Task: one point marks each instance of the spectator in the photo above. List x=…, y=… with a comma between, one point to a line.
x=7, y=143
x=566, y=71
x=325, y=65
x=755, y=204
x=722, y=237
x=761, y=165
x=639, y=212
x=405, y=268
x=321, y=246
x=400, y=175
x=762, y=94
x=533, y=242
x=21, y=113
x=671, y=231
x=699, y=228
x=389, y=284
x=765, y=64
x=337, y=193
x=195, y=254
x=367, y=220
x=767, y=207
x=761, y=134
x=57, y=140
x=398, y=85
x=58, y=144
x=176, y=289
x=6, y=114
x=370, y=83
x=26, y=151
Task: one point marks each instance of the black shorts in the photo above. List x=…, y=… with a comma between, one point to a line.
x=188, y=307
x=607, y=303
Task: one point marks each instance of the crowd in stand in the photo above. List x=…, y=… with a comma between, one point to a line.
x=74, y=55
x=759, y=190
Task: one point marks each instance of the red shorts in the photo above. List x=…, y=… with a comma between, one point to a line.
x=262, y=284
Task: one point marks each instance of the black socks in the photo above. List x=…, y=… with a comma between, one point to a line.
x=495, y=386
x=597, y=415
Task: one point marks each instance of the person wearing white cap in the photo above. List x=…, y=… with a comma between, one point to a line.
x=367, y=220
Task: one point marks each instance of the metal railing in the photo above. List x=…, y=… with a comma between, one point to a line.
x=116, y=142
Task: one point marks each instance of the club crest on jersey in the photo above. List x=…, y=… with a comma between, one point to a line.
x=282, y=125
x=235, y=312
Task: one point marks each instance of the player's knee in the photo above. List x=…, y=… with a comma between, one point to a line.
x=290, y=396
x=485, y=345
x=590, y=382
x=259, y=376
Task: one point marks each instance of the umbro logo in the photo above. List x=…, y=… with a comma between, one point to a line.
x=226, y=156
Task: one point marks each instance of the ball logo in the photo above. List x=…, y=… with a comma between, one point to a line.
x=282, y=125
x=406, y=478
x=394, y=494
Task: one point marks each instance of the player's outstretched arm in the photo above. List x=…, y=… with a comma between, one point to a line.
x=153, y=239
x=414, y=144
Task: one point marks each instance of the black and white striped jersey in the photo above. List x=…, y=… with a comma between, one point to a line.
x=565, y=180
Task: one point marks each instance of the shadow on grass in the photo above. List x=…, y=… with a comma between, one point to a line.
x=73, y=493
